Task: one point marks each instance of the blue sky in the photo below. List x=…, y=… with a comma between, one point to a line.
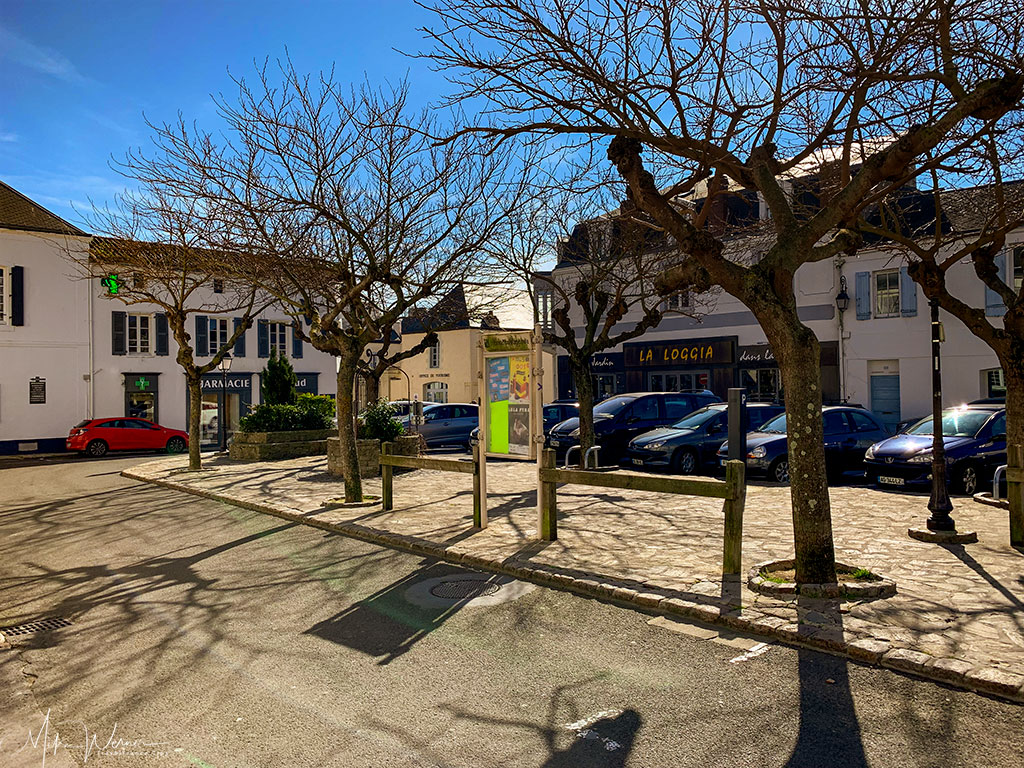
x=79, y=76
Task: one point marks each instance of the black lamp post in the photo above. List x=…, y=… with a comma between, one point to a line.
x=939, y=503
x=225, y=366
x=842, y=298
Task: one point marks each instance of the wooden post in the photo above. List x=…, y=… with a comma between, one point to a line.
x=1015, y=493
x=732, y=555
x=477, y=489
x=547, y=500
x=386, y=487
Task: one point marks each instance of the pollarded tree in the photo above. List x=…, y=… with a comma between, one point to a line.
x=819, y=108
x=356, y=213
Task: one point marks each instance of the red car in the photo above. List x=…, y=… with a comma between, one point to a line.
x=94, y=437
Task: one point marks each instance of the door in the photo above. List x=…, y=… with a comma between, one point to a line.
x=837, y=435
x=643, y=415
x=464, y=421
x=436, y=424
x=144, y=436
x=885, y=399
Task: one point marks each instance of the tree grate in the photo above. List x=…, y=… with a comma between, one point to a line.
x=464, y=589
x=42, y=625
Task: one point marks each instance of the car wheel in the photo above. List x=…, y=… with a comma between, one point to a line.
x=684, y=462
x=779, y=470
x=176, y=445
x=96, y=449
x=967, y=479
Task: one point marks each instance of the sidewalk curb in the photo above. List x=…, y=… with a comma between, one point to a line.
x=957, y=673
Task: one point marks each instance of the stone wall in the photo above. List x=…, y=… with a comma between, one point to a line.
x=267, y=446
x=369, y=454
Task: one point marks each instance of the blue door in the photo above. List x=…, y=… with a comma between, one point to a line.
x=885, y=399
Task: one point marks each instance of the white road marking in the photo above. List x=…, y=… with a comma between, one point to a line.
x=754, y=652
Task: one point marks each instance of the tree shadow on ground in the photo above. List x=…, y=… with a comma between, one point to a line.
x=829, y=732
x=386, y=624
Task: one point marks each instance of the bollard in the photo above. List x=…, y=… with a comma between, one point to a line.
x=1015, y=493
x=477, y=490
x=548, y=500
x=386, y=487
x=735, y=480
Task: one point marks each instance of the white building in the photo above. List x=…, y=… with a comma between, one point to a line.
x=69, y=352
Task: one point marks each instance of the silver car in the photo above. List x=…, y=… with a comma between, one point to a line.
x=446, y=423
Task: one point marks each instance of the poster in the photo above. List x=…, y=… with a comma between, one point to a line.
x=508, y=405
x=497, y=404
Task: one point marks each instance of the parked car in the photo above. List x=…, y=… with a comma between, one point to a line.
x=620, y=418
x=446, y=423
x=849, y=432
x=691, y=444
x=94, y=437
x=974, y=437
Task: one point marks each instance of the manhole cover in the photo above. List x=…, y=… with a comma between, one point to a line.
x=464, y=589
x=43, y=625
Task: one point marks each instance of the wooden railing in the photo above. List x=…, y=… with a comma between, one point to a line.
x=389, y=460
x=732, y=491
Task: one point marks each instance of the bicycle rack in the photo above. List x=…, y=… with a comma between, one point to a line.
x=995, y=481
x=568, y=453
x=597, y=458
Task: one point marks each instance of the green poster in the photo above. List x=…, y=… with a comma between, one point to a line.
x=497, y=404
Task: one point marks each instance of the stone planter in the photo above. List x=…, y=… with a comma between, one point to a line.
x=268, y=446
x=849, y=589
x=369, y=454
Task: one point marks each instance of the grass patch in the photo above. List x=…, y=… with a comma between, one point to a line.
x=861, y=574
x=779, y=577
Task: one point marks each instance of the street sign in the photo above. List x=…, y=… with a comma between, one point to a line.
x=37, y=391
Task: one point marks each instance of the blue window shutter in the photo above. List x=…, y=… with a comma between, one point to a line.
x=17, y=295
x=161, y=334
x=202, y=335
x=994, y=306
x=119, y=333
x=240, y=343
x=296, y=341
x=908, y=294
x=263, y=339
x=862, y=289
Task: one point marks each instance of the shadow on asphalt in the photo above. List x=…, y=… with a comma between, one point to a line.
x=386, y=625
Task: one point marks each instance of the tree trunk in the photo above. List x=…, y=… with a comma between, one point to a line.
x=195, y=409
x=372, y=380
x=347, y=427
x=585, y=394
x=1013, y=370
x=797, y=352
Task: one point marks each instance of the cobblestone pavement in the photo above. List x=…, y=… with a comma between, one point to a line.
x=958, y=615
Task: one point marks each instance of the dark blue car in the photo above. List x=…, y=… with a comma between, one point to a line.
x=691, y=444
x=974, y=437
x=849, y=432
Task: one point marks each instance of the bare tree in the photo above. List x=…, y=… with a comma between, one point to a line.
x=355, y=211
x=153, y=243
x=818, y=107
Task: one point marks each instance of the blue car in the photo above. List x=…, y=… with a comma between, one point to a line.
x=691, y=444
x=974, y=437
x=849, y=433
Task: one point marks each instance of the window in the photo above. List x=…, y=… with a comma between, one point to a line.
x=463, y=412
x=218, y=334
x=218, y=285
x=435, y=355
x=887, y=293
x=4, y=300
x=138, y=281
x=435, y=392
x=835, y=423
x=278, y=338
x=140, y=338
x=863, y=423
x=995, y=383
x=677, y=302
x=677, y=406
x=644, y=409
x=544, y=309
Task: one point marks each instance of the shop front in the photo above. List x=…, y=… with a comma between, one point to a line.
x=760, y=376
x=142, y=396
x=681, y=364
x=226, y=398
x=307, y=383
x=607, y=370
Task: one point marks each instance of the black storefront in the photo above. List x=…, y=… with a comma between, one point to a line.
x=307, y=383
x=607, y=369
x=142, y=395
x=236, y=389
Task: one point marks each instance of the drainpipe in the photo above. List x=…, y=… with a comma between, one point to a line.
x=842, y=334
x=90, y=403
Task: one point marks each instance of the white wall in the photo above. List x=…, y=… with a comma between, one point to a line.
x=52, y=344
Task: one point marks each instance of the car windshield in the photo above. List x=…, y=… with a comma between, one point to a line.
x=81, y=424
x=956, y=422
x=697, y=419
x=776, y=425
x=612, y=406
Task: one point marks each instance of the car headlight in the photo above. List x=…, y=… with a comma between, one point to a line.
x=655, y=445
x=921, y=458
x=758, y=452
x=574, y=433
x=870, y=453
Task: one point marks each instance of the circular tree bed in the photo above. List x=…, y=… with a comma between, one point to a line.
x=776, y=578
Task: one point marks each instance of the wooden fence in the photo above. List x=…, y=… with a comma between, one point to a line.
x=733, y=492
x=388, y=461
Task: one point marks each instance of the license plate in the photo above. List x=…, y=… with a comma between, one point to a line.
x=638, y=462
x=891, y=480
x=723, y=462
x=556, y=443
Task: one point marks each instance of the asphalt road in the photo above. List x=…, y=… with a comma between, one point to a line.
x=211, y=636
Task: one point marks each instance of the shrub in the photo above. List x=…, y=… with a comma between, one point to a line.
x=277, y=381
x=309, y=412
x=378, y=422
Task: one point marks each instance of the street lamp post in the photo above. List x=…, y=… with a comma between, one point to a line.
x=225, y=366
x=842, y=304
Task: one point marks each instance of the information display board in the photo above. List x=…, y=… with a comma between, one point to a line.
x=510, y=396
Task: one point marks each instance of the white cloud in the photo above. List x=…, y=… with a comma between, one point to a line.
x=8, y=137
x=45, y=60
